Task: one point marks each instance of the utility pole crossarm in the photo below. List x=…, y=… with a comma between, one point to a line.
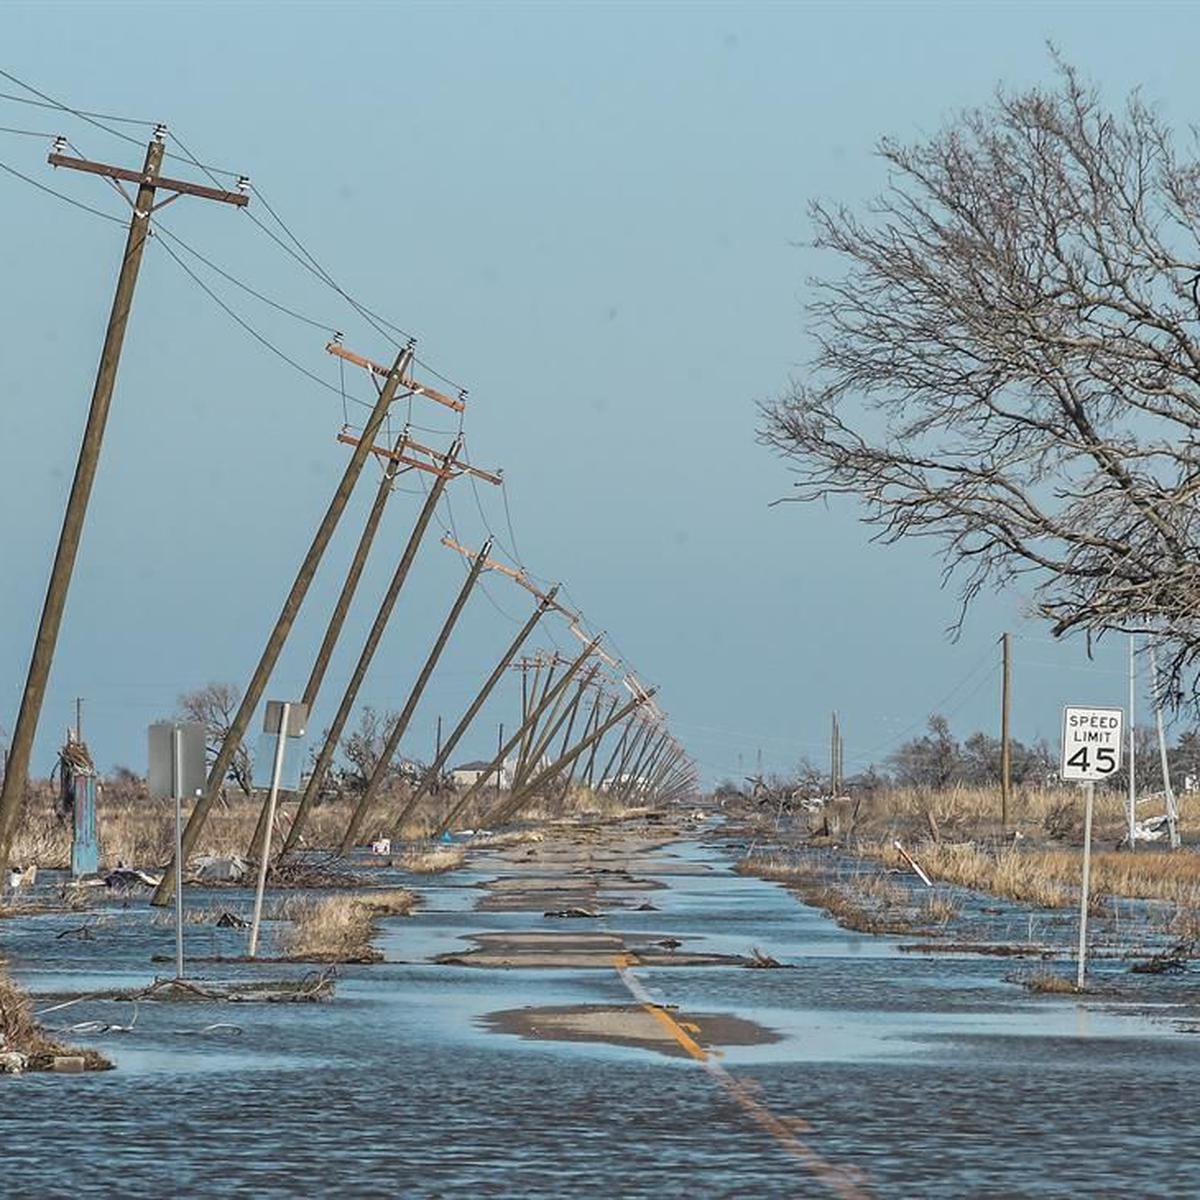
x=518, y=577
x=397, y=457
x=409, y=384
x=452, y=470
x=180, y=186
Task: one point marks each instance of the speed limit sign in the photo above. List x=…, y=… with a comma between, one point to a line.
x=1091, y=742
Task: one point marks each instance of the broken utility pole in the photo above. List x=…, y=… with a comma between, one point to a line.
x=149, y=181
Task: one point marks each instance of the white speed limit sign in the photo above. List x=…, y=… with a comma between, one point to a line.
x=1091, y=742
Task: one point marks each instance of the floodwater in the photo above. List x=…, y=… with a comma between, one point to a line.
x=926, y=1075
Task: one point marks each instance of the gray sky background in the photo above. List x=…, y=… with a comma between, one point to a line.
x=591, y=217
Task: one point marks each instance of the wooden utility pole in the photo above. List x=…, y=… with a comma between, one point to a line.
x=333, y=735
x=337, y=618
x=414, y=697
x=835, y=737
x=433, y=774
x=534, y=716
x=283, y=623
x=588, y=775
x=559, y=714
x=149, y=181
x=1005, y=736
x=512, y=805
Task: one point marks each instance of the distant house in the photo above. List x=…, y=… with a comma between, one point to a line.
x=469, y=773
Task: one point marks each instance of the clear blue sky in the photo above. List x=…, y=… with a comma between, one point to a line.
x=591, y=216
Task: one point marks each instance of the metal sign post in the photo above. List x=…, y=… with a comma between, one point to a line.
x=177, y=768
x=1091, y=750
x=285, y=720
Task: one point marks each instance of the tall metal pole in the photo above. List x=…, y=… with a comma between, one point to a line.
x=21, y=747
x=1132, y=740
x=1168, y=792
x=284, y=622
x=337, y=618
x=1090, y=795
x=434, y=772
x=333, y=735
x=177, y=790
x=276, y=772
x=414, y=697
x=1005, y=740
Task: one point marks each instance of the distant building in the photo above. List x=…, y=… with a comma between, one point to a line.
x=469, y=773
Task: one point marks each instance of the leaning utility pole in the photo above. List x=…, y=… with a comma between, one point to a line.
x=149, y=181
x=591, y=762
x=383, y=615
x=535, y=715
x=1005, y=738
x=410, y=705
x=434, y=772
x=284, y=622
x=337, y=618
x=506, y=810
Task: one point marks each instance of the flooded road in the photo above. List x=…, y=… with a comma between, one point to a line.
x=879, y=1073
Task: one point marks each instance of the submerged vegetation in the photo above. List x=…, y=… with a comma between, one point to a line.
x=339, y=928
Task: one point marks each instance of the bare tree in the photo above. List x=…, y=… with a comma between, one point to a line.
x=1008, y=360
x=215, y=705
x=362, y=747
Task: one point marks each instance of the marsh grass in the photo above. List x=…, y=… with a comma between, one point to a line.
x=433, y=861
x=339, y=928
x=1049, y=878
x=868, y=902
x=1047, y=982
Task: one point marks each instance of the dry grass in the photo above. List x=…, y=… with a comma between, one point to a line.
x=1048, y=982
x=433, y=861
x=340, y=928
x=498, y=841
x=1050, y=878
x=962, y=813
x=20, y=1033
x=862, y=901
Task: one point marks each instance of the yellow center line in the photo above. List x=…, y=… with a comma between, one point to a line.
x=841, y=1181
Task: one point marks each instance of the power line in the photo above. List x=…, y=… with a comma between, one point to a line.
x=263, y=340
x=96, y=119
x=324, y=326
x=96, y=212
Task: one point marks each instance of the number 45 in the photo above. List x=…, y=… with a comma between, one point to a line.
x=1106, y=761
